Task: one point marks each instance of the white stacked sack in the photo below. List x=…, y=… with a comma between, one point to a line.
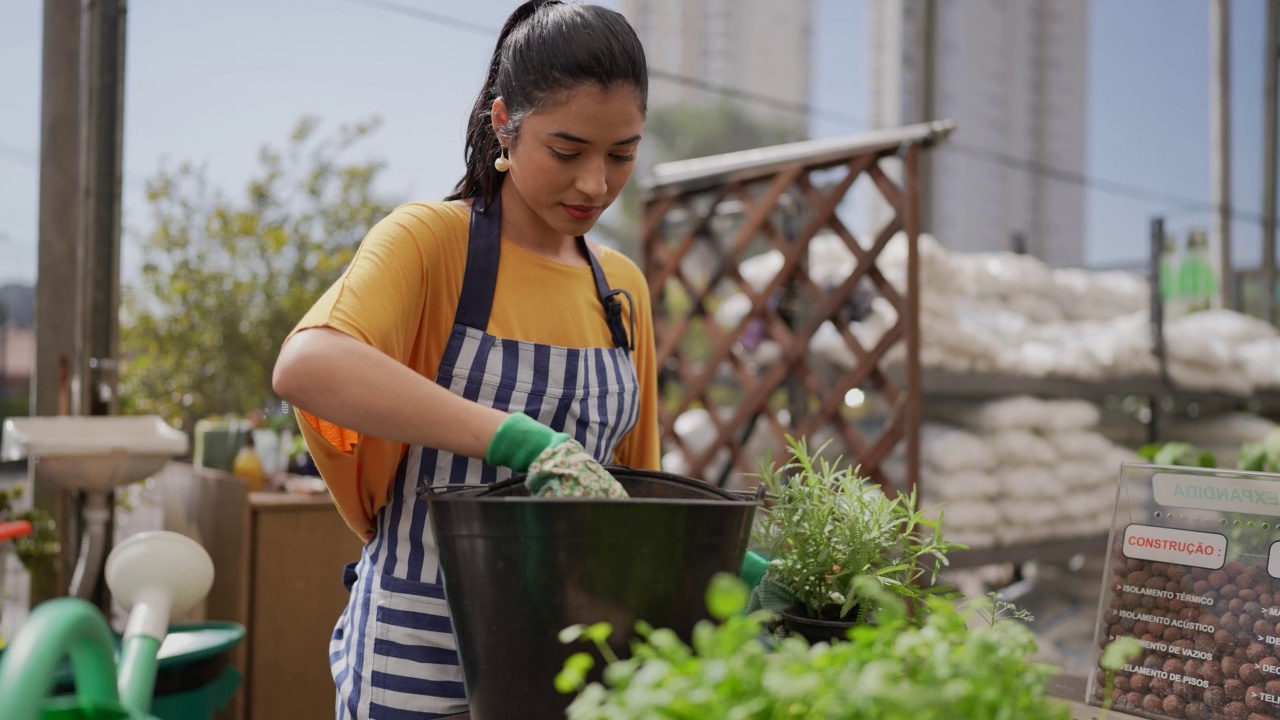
x=1020, y=470
x=1013, y=314
x=1000, y=312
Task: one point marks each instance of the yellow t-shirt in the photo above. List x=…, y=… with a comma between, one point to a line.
x=400, y=293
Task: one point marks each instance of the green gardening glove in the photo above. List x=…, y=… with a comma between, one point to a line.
x=556, y=464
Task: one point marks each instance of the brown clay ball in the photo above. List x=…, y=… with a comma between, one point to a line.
x=1211, y=672
x=1253, y=700
x=1255, y=652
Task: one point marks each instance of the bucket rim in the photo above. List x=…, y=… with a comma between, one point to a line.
x=459, y=496
x=484, y=493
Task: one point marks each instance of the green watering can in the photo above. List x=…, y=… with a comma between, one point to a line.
x=154, y=575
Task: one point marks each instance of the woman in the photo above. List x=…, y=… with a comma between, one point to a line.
x=465, y=334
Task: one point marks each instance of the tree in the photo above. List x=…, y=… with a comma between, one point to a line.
x=681, y=132
x=224, y=280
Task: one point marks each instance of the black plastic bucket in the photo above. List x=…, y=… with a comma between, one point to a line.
x=517, y=570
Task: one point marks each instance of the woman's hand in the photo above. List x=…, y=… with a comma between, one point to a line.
x=557, y=464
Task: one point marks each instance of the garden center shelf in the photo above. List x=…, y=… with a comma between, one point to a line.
x=1053, y=551
x=1162, y=398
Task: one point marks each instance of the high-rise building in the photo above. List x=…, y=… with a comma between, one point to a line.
x=1012, y=75
x=757, y=46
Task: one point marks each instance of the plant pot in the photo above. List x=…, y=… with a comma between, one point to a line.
x=517, y=570
x=797, y=622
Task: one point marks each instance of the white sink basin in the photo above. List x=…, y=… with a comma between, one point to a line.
x=92, y=452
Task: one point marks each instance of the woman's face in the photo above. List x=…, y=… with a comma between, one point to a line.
x=572, y=157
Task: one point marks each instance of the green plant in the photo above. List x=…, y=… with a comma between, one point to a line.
x=41, y=545
x=891, y=670
x=225, y=277
x=1177, y=453
x=1114, y=657
x=827, y=527
x=1261, y=455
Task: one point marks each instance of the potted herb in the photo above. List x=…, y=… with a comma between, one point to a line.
x=973, y=661
x=825, y=528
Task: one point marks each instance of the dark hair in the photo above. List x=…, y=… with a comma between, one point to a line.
x=545, y=48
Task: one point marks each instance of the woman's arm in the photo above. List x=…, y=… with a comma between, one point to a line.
x=334, y=376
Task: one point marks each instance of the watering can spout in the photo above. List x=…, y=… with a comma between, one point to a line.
x=153, y=575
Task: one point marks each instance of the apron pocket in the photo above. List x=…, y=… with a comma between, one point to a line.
x=415, y=656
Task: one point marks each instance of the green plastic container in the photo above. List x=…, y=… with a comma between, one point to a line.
x=194, y=677
x=217, y=442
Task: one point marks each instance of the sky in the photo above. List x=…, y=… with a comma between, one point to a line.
x=212, y=82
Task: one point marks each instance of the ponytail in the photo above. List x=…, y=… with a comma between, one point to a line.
x=545, y=47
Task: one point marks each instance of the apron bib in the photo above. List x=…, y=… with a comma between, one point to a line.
x=393, y=654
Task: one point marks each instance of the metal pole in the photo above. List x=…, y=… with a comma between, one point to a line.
x=103, y=102
x=57, y=305
x=1271, y=57
x=1155, y=425
x=927, y=107
x=1220, y=139
x=914, y=389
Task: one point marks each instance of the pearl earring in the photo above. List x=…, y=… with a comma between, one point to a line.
x=502, y=164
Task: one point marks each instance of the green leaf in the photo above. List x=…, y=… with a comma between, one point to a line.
x=1271, y=446
x=726, y=596
x=1253, y=457
x=571, y=634
x=1148, y=452
x=1119, y=652
x=599, y=632
x=580, y=662
x=1176, y=453
x=569, y=680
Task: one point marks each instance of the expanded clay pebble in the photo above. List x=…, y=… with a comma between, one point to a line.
x=1209, y=640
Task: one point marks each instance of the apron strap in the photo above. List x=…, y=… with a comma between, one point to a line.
x=612, y=305
x=481, y=277
x=476, y=299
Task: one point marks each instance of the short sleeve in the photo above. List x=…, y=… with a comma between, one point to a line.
x=380, y=296
x=379, y=300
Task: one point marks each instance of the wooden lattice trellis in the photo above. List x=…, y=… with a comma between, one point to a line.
x=780, y=199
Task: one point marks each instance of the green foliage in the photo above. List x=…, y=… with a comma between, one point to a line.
x=225, y=279
x=41, y=546
x=887, y=671
x=1116, y=655
x=827, y=528
x=1177, y=453
x=1261, y=455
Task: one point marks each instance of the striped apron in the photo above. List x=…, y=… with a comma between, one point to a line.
x=393, y=654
